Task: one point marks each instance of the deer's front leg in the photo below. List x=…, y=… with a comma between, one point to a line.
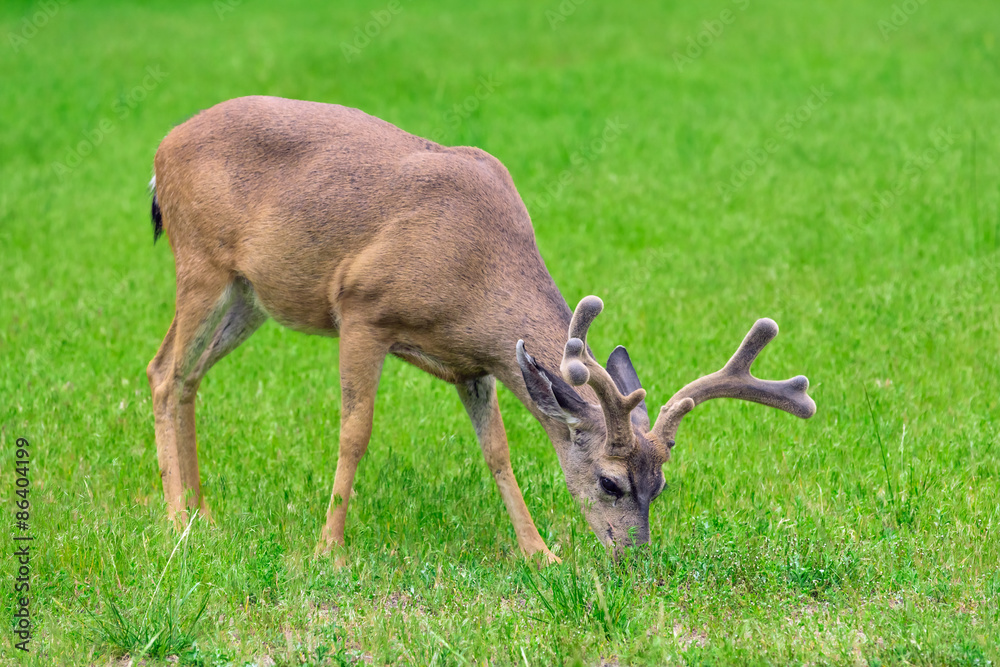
x=479, y=397
x=361, y=357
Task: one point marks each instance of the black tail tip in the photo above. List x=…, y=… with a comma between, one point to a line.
x=157, y=220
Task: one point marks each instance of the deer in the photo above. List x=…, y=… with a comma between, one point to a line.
x=334, y=222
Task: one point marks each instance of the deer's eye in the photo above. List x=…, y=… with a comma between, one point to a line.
x=610, y=488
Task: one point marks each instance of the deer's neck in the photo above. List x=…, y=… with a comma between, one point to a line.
x=543, y=327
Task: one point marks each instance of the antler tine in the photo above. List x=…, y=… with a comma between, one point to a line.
x=668, y=421
x=735, y=381
x=579, y=367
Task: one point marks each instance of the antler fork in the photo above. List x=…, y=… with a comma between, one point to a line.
x=579, y=367
x=735, y=381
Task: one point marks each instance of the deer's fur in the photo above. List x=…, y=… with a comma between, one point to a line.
x=334, y=222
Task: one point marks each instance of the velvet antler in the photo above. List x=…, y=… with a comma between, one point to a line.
x=578, y=367
x=735, y=381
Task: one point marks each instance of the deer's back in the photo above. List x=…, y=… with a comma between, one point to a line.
x=325, y=208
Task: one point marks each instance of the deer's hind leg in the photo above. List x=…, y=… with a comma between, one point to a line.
x=215, y=313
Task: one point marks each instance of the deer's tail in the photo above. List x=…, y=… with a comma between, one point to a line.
x=156, y=215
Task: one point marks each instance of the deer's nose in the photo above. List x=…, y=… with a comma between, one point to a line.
x=621, y=542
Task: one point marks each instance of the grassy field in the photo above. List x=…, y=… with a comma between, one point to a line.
x=698, y=165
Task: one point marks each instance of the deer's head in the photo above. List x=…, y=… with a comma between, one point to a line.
x=613, y=464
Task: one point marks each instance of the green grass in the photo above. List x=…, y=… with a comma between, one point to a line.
x=867, y=534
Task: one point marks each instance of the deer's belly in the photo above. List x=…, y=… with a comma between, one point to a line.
x=300, y=309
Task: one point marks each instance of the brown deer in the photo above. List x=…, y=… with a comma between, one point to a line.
x=337, y=223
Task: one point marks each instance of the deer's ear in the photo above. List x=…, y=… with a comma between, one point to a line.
x=623, y=373
x=551, y=393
